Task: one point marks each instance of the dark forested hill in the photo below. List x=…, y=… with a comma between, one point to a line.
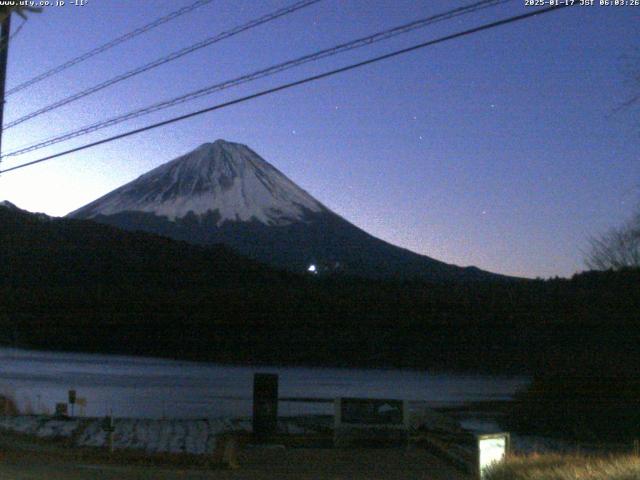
x=78, y=285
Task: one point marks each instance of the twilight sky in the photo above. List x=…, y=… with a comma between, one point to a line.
x=502, y=149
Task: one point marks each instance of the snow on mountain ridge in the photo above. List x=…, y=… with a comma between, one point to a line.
x=223, y=177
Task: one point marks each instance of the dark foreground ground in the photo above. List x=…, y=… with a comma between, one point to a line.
x=22, y=459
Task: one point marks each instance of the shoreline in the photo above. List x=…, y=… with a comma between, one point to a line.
x=381, y=367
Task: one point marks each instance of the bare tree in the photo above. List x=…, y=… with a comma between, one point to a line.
x=618, y=248
x=631, y=73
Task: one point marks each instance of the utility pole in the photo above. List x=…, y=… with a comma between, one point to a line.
x=4, y=51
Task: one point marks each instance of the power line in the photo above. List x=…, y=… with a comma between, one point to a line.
x=108, y=45
x=166, y=59
x=286, y=86
x=358, y=43
x=17, y=31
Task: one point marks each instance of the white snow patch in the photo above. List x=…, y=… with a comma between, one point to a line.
x=223, y=177
x=171, y=435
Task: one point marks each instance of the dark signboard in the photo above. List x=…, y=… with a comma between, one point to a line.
x=362, y=411
x=107, y=424
x=265, y=404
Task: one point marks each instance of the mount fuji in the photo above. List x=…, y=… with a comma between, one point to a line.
x=224, y=192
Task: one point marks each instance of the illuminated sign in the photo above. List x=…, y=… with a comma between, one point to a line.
x=492, y=449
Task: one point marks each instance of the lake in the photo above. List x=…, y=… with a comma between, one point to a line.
x=142, y=387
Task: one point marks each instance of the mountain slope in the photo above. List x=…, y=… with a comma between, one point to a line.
x=82, y=286
x=220, y=177
x=223, y=192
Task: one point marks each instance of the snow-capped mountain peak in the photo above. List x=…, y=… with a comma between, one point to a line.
x=221, y=177
x=225, y=193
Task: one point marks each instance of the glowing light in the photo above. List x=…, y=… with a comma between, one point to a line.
x=312, y=269
x=492, y=449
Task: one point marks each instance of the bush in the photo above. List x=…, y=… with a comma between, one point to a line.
x=579, y=407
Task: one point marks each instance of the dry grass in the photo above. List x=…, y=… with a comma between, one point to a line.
x=8, y=405
x=567, y=467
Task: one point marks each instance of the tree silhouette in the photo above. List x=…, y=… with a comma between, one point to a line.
x=616, y=249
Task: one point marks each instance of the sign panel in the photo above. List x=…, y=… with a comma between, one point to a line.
x=370, y=421
x=363, y=411
x=491, y=449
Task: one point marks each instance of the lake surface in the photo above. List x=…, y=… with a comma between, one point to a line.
x=154, y=388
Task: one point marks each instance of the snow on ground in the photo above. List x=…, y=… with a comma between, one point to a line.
x=175, y=436
x=170, y=435
x=198, y=436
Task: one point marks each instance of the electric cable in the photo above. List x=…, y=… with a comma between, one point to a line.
x=107, y=46
x=163, y=60
x=303, y=81
x=358, y=43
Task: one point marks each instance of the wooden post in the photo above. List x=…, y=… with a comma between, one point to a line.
x=265, y=405
x=230, y=455
x=109, y=428
x=72, y=401
x=4, y=52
